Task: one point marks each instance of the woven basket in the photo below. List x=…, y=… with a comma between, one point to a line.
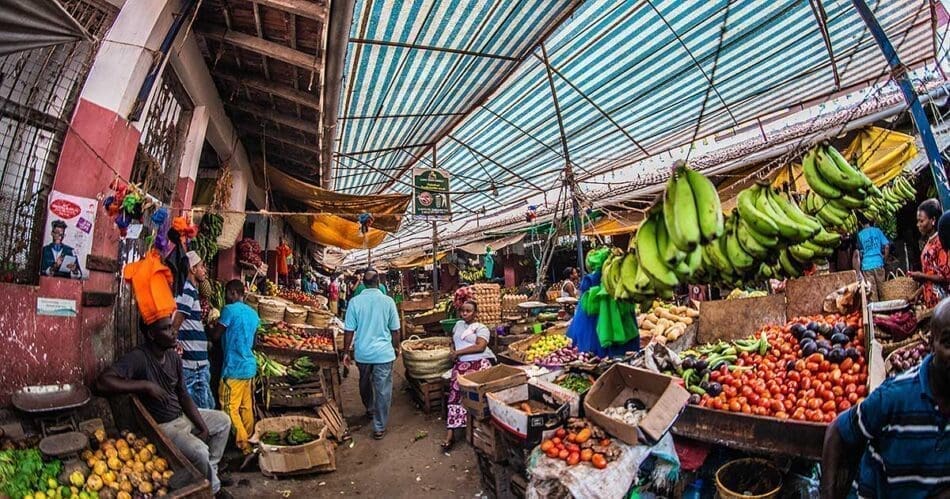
x=318, y=318
x=252, y=299
x=427, y=364
x=271, y=310
x=899, y=287
x=231, y=227
x=295, y=315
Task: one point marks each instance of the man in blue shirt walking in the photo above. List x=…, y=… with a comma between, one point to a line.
x=371, y=337
x=903, y=429
x=874, y=247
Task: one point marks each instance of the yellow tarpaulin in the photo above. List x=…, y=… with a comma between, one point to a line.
x=625, y=223
x=415, y=260
x=880, y=153
x=331, y=230
x=387, y=209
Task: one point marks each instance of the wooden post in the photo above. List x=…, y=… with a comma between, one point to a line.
x=435, y=263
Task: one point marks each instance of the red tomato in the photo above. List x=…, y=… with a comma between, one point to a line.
x=844, y=405
x=563, y=454
x=560, y=433
x=793, y=376
x=852, y=398
x=814, y=403
x=746, y=409
x=827, y=395
x=828, y=406
x=851, y=388
x=781, y=415
x=799, y=414
x=862, y=390
x=734, y=406
x=556, y=440
x=846, y=364
x=837, y=390
x=776, y=406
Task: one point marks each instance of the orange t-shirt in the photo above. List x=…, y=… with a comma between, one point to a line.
x=151, y=284
x=283, y=251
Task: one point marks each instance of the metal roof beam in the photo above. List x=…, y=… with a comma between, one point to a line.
x=263, y=47
x=415, y=46
x=269, y=114
x=393, y=116
x=304, y=8
x=285, y=92
x=386, y=149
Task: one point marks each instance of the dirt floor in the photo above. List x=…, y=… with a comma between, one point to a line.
x=406, y=463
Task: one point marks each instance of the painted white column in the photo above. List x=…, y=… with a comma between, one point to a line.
x=126, y=54
x=191, y=156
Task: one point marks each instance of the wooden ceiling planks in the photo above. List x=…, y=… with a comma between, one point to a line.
x=266, y=58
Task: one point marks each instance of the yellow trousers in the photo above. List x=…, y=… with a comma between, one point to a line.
x=236, y=400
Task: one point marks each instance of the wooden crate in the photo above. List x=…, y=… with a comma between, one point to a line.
x=328, y=362
x=495, y=477
x=428, y=395
x=283, y=391
x=129, y=413
x=486, y=438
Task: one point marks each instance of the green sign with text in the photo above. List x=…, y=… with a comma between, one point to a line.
x=430, y=196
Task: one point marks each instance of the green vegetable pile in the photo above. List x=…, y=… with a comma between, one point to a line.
x=23, y=471
x=575, y=382
x=293, y=436
x=301, y=369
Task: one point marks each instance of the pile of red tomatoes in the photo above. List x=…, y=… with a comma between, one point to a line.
x=814, y=369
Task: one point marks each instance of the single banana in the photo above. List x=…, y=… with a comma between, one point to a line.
x=791, y=210
x=748, y=243
x=628, y=272
x=718, y=257
x=847, y=201
x=826, y=239
x=788, y=267
x=739, y=259
x=708, y=205
x=856, y=178
x=687, y=218
x=756, y=219
x=648, y=251
x=763, y=240
x=668, y=251
x=788, y=229
x=801, y=254
x=819, y=184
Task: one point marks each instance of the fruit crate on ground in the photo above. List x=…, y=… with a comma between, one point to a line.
x=429, y=395
x=495, y=477
x=486, y=438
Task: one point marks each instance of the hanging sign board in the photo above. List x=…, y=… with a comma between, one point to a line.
x=430, y=196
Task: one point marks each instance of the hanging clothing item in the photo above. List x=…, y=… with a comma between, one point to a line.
x=489, y=264
x=151, y=283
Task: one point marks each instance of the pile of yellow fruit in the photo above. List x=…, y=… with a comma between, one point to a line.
x=124, y=467
x=546, y=345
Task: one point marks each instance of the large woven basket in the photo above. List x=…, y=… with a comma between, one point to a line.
x=271, y=310
x=252, y=299
x=427, y=364
x=899, y=287
x=295, y=315
x=231, y=227
x=317, y=317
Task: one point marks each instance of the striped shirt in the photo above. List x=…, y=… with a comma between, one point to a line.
x=908, y=439
x=191, y=334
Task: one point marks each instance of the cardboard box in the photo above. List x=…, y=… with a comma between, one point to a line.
x=575, y=399
x=664, y=399
x=474, y=386
x=530, y=429
x=314, y=456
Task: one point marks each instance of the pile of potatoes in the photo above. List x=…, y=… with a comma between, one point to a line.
x=122, y=468
x=665, y=322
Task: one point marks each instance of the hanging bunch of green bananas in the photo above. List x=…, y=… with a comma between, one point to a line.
x=893, y=196
x=206, y=242
x=666, y=251
x=838, y=188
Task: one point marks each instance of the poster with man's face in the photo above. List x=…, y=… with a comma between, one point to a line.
x=67, y=236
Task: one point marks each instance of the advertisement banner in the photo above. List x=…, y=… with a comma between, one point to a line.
x=430, y=196
x=67, y=238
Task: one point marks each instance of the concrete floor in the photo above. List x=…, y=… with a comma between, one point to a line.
x=399, y=466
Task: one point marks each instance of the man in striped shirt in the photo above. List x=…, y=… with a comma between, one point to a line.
x=192, y=340
x=903, y=428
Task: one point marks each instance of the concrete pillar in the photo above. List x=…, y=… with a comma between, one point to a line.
x=191, y=156
x=99, y=143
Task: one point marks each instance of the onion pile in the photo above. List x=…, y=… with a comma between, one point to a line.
x=565, y=355
x=906, y=359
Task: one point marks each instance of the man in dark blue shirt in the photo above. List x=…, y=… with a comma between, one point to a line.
x=903, y=429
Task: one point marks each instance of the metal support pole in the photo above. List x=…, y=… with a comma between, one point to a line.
x=435, y=262
x=568, y=170
x=899, y=73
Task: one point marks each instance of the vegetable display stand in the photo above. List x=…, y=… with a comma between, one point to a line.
x=428, y=395
x=187, y=483
x=328, y=364
x=763, y=434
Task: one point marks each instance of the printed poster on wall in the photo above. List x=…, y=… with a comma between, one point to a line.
x=67, y=237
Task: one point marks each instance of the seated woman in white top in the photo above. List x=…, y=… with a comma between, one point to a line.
x=470, y=354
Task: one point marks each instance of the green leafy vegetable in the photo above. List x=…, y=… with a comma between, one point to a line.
x=23, y=471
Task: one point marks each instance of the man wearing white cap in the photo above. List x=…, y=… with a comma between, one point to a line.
x=192, y=339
